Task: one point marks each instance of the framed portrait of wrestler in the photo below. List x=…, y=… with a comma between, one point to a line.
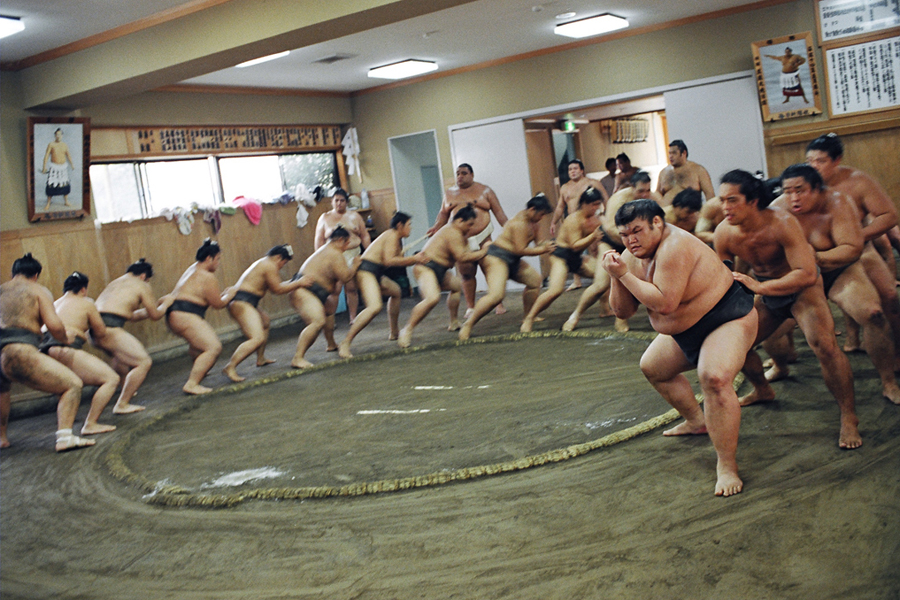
x=59, y=152
x=786, y=77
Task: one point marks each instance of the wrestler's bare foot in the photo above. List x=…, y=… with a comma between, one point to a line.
x=72, y=442
x=500, y=310
x=468, y=314
x=301, y=364
x=765, y=395
x=851, y=347
x=606, y=311
x=686, y=429
x=621, y=325
x=331, y=349
x=265, y=361
x=231, y=374
x=344, y=350
x=95, y=428
x=891, y=392
x=405, y=338
x=4, y=444
x=127, y=409
x=465, y=332
x=728, y=482
x=393, y=336
x=776, y=373
x=526, y=325
x=570, y=323
x=454, y=325
x=850, y=438
x=195, y=389
x=575, y=285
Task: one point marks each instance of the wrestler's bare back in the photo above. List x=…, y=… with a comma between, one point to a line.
x=326, y=266
x=445, y=246
x=196, y=285
x=124, y=295
x=20, y=304
x=79, y=314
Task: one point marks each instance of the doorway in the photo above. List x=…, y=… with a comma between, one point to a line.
x=418, y=188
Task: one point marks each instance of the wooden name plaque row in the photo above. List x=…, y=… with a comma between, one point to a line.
x=194, y=140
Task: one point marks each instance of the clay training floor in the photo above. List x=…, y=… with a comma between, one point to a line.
x=508, y=467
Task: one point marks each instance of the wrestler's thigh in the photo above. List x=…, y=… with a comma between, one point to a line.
x=855, y=293
x=390, y=288
x=601, y=277
x=559, y=271
x=767, y=322
x=724, y=351
x=589, y=266
x=91, y=369
x=451, y=282
x=25, y=364
x=124, y=347
x=526, y=274
x=663, y=359
x=247, y=317
x=309, y=307
x=194, y=328
x=496, y=272
x=879, y=274
x=467, y=269
x=813, y=315
x=429, y=286
x=331, y=303
x=369, y=287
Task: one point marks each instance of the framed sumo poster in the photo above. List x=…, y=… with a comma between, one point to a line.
x=59, y=151
x=786, y=77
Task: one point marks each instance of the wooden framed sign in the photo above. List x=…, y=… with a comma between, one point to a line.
x=845, y=20
x=863, y=77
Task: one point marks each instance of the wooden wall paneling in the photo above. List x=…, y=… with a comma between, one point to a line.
x=872, y=151
x=541, y=162
x=383, y=204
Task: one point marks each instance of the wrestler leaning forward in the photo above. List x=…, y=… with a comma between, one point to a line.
x=320, y=274
x=197, y=290
x=79, y=314
x=126, y=299
x=25, y=307
x=705, y=319
x=261, y=277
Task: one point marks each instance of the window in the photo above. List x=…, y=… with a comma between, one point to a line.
x=144, y=189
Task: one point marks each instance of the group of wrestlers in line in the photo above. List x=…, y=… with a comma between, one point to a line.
x=665, y=249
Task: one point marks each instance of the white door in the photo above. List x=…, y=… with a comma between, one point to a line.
x=721, y=125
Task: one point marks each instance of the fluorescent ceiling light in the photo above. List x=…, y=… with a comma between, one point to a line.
x=406, y=68
x=263, y=59
x=10, y=25
x=591, y=26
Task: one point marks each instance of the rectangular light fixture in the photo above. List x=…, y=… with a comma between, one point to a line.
x=591, y=26
x=262, y=59
x=403, y=69
x=10, y=25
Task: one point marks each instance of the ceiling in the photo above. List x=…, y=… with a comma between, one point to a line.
x=465, y=34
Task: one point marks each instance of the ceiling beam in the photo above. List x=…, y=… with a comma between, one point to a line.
x=202, y=42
